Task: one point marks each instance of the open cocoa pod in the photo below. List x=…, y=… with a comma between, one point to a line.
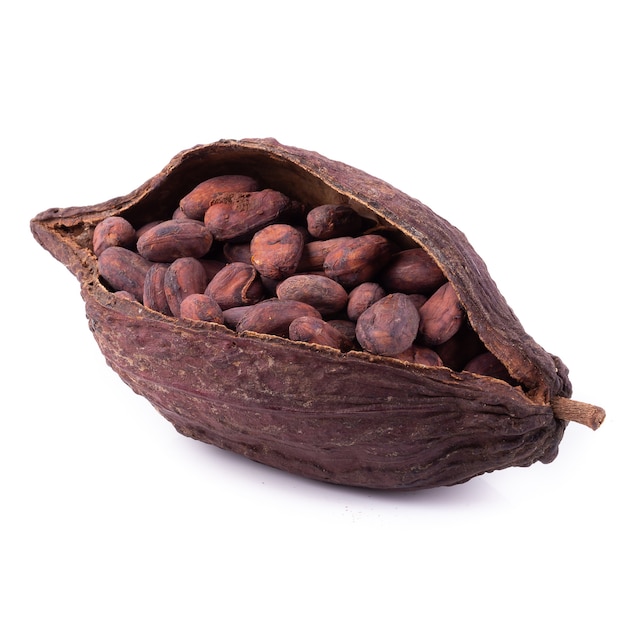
x=345, y=417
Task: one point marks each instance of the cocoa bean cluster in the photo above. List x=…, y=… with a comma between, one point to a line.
x=254, y=259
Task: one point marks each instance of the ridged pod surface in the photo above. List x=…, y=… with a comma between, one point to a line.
x=349, y=418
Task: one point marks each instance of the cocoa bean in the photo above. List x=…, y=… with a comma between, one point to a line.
x=362, y=297
x=276, y=250
x=314, y=253
x=183, y=277
x=123, y=270
x=328, y=221
x=441, y=316
x=198, y=200
x=358, y=261
x=154, y=289
x=113, y=231
x=235, y=285
x=199, y=306
x=389, y=326
x=315, y=330
x=274, y=316
x=412, y=271
x=241, y=215
x=326, y=295
x=174, y=239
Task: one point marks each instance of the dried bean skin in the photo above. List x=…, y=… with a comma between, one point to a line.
x=344, y=417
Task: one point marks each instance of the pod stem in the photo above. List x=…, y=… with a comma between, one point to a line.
x=580, y=412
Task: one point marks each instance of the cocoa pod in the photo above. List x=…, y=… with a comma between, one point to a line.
x=329, y=221
x=358, y=261
x=316, y=330
x=235, y=285
x=389, y=326
x=441, y=316
x=113, y=231
x=183, y=277
x=124, y=270
x=274, y=316
x=275, y=250
x=322, y=293
x=198, y=200
x=240, y=216
x=348, y=418
x=199, y=306
x=175, y=239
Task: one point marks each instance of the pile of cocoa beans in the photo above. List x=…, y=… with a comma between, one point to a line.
x=253, y=259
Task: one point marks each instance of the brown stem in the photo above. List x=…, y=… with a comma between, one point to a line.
x=581, y=412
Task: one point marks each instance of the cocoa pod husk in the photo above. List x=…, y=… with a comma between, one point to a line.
x=347, y=418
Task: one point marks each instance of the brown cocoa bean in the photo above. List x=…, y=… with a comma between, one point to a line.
x=362, y=297
x=412, y=271
x=199, y=306
x=358, y=261
x=237, y=252
x=124, y=270
x=389, y=326
x=273, y=316
x=174, y=239
x=113, y=231
x=326, y=295
x=328, y=221
x=233, y=315
x=276, y=250
x=347, y=328
x=235, y=285
x=315, y=330
x=154, y=289
x=241, y=215
x=183, y=277
x=441, y=316
x=314, y=253
x=420, y=355
x=198, y=200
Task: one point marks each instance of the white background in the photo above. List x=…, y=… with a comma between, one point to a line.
x=505, y=118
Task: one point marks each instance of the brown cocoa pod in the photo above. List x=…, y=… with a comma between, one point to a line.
x=183, y=277
x=412, y=271
x=113, y=231
x=441, y=316
x=197, y=201
x=328, y=221
x=275, y=251
x=302, y=410
x=123, y=270
x=242, y=215
x=314, y=253
x=175, y=239
x=362, y=297
x=389, y=326
x=237, y=284
x=199, y=306
x=316, y=330
x=154, y=289
x=326, y=295
x=274, y=316
x=358, y=261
